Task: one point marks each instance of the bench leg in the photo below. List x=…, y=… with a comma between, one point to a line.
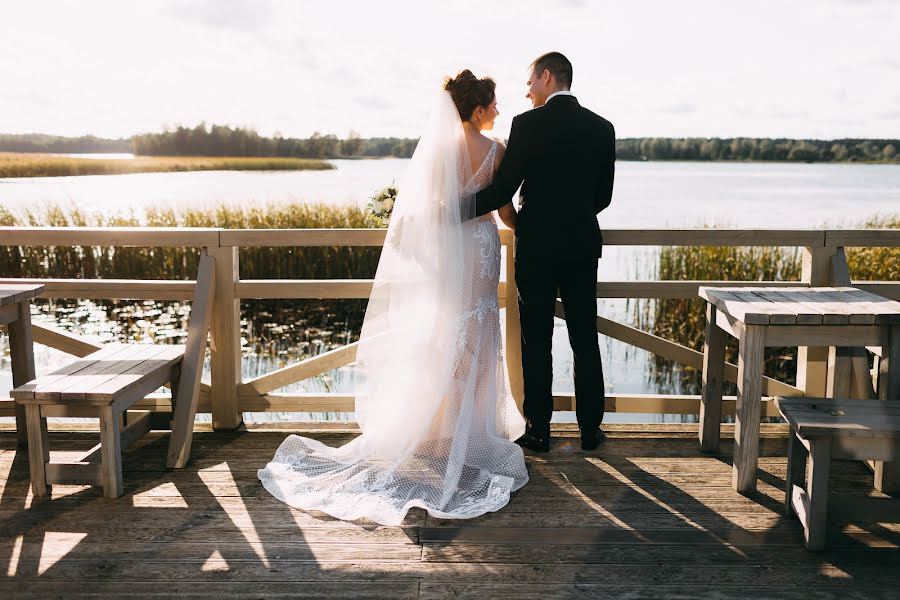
x=796, y=470
x=713, y=374
x=38, y=449
x=816, y=525
x=183, y=397
x=111, y=451
x=21, y=426
x=749, y=400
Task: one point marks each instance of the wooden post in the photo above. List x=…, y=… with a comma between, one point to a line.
x=747, y=411
x=848, y=368
x=840, y=372
x=812, y=362
x=713, y=374
x=513, y=329
x=21, y=348
x=225, y=340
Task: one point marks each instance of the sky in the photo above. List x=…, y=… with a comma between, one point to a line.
x=691, y=68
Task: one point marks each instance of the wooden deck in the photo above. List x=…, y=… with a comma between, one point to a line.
x=646, y=516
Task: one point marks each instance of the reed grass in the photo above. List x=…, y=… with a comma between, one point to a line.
x=181, y=263
x=49, y=165
x=876, y=264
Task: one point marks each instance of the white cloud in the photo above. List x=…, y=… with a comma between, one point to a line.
x=374, y=102
x=233, y=15
x=692, y=68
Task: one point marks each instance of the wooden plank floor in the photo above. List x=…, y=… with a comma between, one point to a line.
x=645, y=516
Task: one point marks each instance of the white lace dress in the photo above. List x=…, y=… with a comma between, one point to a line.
x=466, y=463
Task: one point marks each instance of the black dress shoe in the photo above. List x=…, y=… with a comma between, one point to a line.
x=592, y=440
x=533, y=441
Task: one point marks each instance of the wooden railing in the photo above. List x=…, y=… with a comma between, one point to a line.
x=228, y=396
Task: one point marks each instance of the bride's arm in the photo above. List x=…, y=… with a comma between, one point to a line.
x=507, y=212
x=508, y=215
x=510, y=174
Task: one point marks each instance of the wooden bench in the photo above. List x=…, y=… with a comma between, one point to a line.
x=105, y=384
x=831, y=428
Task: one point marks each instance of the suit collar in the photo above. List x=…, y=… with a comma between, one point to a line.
x=563, y=97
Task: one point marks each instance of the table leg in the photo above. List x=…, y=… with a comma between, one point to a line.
x=713, y=374
x=887, y=474
x=889, y=366
x=111, y=451
x=839, y=372
x=816, y=524
x=796, y=470
x=749, y=400
x=22, y=358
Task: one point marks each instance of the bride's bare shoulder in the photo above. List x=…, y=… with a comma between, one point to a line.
x=501, y=148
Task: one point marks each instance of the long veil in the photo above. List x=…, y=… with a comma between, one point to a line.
x=429, y=438
x=410, y=329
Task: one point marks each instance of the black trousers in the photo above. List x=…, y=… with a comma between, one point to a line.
x=539, y=274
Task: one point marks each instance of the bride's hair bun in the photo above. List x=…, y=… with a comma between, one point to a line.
x=469, y=92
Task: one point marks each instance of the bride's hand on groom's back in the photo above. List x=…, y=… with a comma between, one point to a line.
x=507, y=214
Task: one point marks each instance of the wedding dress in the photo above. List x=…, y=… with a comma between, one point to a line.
x=435, y=411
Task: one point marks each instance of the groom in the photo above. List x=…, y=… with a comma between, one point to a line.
x=565, y=155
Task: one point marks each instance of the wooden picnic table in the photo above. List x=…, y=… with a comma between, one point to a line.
x=15, y=313
x=760, y=317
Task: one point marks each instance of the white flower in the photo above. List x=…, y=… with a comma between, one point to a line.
x=377, y=206
x=389, y=203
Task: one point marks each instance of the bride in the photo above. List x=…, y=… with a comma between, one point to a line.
x=436, y=415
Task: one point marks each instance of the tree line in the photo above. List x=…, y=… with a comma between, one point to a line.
x=762, y=149
x=54, y=144
x=221, y=140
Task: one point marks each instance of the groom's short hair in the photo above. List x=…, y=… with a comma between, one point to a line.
x=558, y=65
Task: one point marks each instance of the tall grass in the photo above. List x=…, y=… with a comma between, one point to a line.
x=683, y=321
x=48, y=165
x=876, y=264
x=181, y=263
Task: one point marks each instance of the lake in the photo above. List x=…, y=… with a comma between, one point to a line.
x=647, y=194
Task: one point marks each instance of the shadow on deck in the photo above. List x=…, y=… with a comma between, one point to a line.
x=645, y=516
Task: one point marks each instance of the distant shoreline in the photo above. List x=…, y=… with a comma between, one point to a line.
x=223, y=141
x=18, y=165
x=26, y=164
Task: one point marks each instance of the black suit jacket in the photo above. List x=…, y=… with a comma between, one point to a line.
x=565, y=154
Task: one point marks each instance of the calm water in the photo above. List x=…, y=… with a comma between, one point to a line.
x=674, y=194
x=651, y=194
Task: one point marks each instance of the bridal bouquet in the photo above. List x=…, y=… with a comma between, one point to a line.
x=378, y=211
